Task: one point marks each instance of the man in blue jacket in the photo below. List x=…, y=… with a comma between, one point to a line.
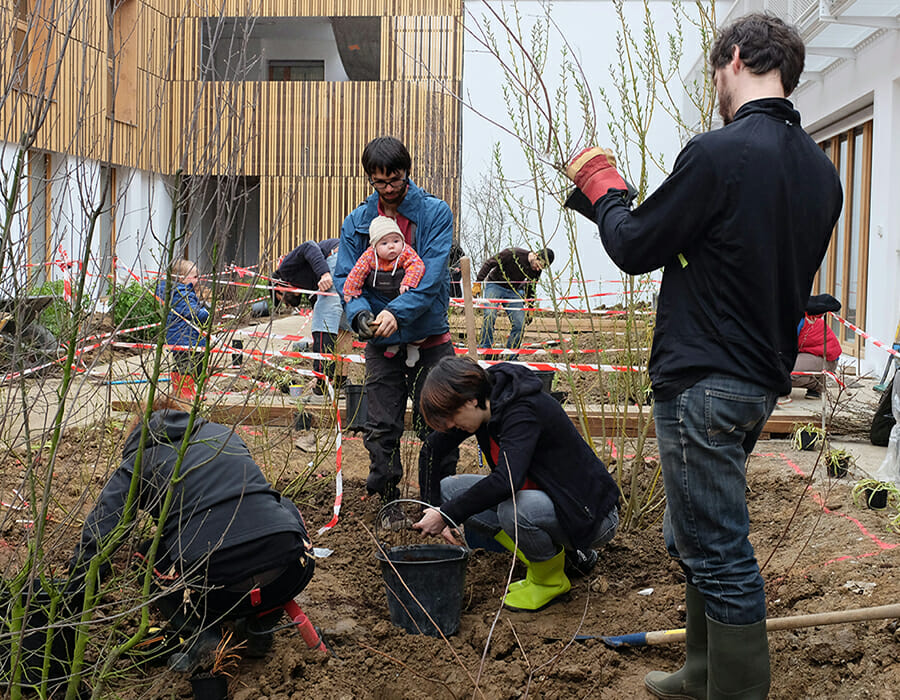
x=419, y=314
x=741, y=225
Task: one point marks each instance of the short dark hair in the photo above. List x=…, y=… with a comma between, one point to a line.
x=452, y=383
x=766, y=43
x=386, y=154
x=546, y=255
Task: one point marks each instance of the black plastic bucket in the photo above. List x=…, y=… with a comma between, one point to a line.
x=436, y=577
x=546, y=377
x=357, y=406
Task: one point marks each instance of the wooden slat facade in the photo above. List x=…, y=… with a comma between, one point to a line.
x=303, y=140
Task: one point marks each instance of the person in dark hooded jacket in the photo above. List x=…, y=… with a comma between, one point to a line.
x=231, y=542
x=547, y=495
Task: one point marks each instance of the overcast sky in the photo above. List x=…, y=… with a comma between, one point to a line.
x=590, y=28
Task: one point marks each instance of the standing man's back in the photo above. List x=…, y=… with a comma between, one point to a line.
x=741, y=225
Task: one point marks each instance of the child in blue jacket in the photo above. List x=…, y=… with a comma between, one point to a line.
x=185, y=326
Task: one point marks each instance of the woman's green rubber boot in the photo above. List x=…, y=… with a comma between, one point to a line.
x=544, y=583
x=507, y=542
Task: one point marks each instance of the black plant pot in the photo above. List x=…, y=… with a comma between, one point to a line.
x=207, y=686
x=808, y=440
x=838, y=470
x=877, y=500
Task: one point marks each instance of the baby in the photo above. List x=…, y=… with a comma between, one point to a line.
x=390, y=267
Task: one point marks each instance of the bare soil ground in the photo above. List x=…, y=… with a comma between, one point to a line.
x=821, y=553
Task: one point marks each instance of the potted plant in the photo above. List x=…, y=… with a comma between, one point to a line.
x=876, y=494
x=213, y=684
x=807, y=436
x=838, y=463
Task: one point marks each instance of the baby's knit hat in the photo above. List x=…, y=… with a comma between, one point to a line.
x=380, y=227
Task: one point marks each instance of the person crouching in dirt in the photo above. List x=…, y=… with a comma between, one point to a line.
x=231, y=547
x=548, y=497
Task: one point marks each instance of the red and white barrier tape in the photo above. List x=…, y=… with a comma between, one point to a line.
x=861, y=332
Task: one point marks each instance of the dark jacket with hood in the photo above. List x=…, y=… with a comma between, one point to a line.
x=510, y=269
x=304, y=265
x=222, y=499
x=750, y=207
x=538, y=441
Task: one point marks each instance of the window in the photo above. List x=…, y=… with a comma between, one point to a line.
x=334, y=49
x=20, y=45
x=121, y=60
x=34, y=56
x=296, y=70
x=844, y=270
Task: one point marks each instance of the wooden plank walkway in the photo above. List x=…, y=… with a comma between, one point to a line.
x=599, y=423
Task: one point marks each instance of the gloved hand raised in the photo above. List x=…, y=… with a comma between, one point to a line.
x=594, y=172
x=364, y=324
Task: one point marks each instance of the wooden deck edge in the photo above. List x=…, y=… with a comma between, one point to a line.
x=598, y=424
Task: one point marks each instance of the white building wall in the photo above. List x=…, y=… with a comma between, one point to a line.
x=144, y=213
x=18, y=222
x=872, y=79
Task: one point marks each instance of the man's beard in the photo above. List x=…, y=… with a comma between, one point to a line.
x=726, y=100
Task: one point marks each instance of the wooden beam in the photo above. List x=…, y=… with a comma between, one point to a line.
x=599, y=424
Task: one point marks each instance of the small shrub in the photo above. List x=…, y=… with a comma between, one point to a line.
x=58, y=317
x=136, y=305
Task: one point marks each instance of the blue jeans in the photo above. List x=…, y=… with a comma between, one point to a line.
x=705, y=435
x=530, y=518
x=514, y=309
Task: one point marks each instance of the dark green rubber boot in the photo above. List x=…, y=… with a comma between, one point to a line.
x=738, y=661
x=688, y=682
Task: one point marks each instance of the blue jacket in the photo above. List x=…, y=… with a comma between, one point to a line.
x=186, y=315
x=422, y=311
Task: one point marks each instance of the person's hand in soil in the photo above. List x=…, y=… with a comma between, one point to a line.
x=432, y=523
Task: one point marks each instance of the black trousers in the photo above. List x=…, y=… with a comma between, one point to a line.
x=389, y=382
x=220, y=591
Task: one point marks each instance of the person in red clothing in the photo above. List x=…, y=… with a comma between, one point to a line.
x=816, y=342
x=400, y=267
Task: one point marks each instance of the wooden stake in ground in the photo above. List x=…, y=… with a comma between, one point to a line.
x=465, y=268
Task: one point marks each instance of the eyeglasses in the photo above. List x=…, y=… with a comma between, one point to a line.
x=394, y=184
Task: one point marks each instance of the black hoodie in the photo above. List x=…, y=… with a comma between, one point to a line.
x=538, y=441
x=221, y=500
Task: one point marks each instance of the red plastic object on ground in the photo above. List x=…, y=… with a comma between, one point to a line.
x=307, y=631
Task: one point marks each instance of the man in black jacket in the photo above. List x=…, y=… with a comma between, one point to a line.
x=741, y=225
x=305, y=267
x=509, y=277
x=230, y=545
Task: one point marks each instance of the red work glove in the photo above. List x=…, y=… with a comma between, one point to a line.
x=594, y=172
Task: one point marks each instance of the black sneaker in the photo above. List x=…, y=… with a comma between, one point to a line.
x=580, y=562
x=200, y=653
x=257, y=634
x=813, y=394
